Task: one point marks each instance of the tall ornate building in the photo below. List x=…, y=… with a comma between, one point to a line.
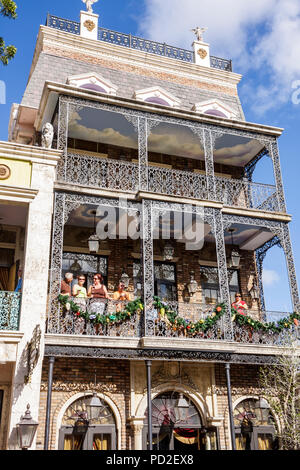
x=133, y=159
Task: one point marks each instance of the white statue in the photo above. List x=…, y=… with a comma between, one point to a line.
x=199, y=33
x=89, y=4
x=47, y=135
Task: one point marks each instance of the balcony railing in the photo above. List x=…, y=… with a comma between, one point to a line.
x=135, y=42
x=63, y=321
x=100, y=173
x=107, y=173
x=10, y=303
x=242, y=193
x=177, y=183
x=176, y=320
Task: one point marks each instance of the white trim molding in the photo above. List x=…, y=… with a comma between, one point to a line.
x=215, y=105
x=157, y=92
x=92, y=78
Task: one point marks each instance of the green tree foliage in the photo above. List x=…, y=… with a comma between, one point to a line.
x=8, y=9
x=281, y=388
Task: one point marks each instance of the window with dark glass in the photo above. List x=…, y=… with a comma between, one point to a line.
x=165, y=283
x=211, y=287
x=254, y=426
x=87, y=265
x=176, y=427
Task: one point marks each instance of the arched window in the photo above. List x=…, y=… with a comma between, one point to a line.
x=254, y=425
x=157, y=95
x=92, y=86
x=78, y=432
x=215, y=112
x=157, y=100
x=177, y=425
x=215, y=107
x=93, y=81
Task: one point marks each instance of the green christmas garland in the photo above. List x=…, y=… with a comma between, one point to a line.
x=174, y=321
x=255, y=325
x=130, y=309
x=179, y=323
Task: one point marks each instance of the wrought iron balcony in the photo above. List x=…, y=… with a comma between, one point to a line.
x=99, y=173
x=137, y=43
x=62, y=320
x=107, y=173
x=190, y=321
x=10, y=303
x=242, y=193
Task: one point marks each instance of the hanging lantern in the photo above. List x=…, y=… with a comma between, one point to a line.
x=168, y=252
x=125, y=279
x=235, y=259
x=192, y=285
x=254, y=292
x=235, y=255
x=26, y=429
x=94, y=244
x=181, y=408
x=94, y=407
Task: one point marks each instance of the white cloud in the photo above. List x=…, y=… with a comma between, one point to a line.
x=259, y=35
x=270, y=277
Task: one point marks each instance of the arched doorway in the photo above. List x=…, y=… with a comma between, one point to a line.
x=254, y=425
x=177, y=425
x=77, y=432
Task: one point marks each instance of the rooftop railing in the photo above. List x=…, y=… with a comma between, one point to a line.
x=137, y=43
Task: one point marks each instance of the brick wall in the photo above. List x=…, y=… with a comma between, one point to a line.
x=71, y=376
x=244, y=383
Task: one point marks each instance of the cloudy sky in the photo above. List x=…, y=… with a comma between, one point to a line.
x=262, y=37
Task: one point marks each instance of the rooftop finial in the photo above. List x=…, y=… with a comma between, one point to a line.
x=199, y=33
x=89, y=5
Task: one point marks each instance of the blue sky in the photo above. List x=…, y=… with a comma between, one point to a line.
x=261, y=36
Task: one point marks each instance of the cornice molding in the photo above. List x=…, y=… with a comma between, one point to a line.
x=67, y=41
x=12, y=150
x=81, y=93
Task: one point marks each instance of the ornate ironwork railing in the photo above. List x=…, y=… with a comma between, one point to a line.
x=241, y=193
x=137, y=43
x=107, y=173
x=10, y=303
x=191, y=313
x=177, y=183
x=99, y=172
x=62, y=321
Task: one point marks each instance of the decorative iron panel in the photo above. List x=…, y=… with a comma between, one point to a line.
x=10, y=303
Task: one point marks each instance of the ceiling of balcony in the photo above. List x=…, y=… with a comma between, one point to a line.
x=188, y=229
x=236, y=150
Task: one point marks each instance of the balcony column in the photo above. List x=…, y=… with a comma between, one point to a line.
x=223, y=275
x=143, y=153
x=209, y=164
x=62, y=136
x=287, y=246
x=26, y=383
x=274, y=153
x=147, y=266
x=56, y=262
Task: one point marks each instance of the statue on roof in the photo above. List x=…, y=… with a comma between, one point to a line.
x=199, y=33
x=89, y=5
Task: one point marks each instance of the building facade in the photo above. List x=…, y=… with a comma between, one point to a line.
x=133, y=159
